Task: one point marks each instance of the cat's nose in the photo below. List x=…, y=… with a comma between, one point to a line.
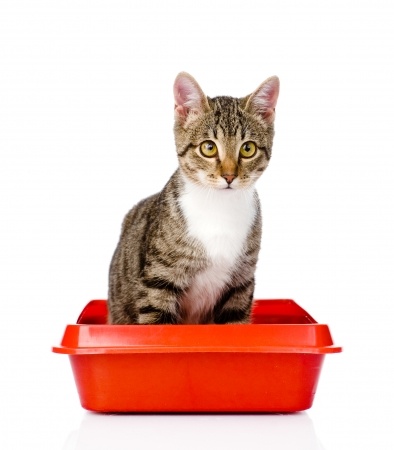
x=229, y=178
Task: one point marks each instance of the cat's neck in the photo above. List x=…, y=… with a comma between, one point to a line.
x=219, y=219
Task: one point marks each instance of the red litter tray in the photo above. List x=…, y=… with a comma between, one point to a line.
x=271, y=365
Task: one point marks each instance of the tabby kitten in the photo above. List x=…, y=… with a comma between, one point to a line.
x=188, y=254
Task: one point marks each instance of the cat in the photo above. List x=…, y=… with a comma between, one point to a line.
x=188, y=254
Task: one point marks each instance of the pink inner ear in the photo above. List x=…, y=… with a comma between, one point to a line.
x=180, y=96
x=181, y=110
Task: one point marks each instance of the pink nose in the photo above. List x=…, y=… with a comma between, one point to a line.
x=229, y=178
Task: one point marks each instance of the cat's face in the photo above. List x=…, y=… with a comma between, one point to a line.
x=224, y=142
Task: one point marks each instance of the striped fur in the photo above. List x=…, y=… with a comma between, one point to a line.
x=188, y=254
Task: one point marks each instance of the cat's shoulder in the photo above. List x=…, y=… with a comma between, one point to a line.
x=139, y=212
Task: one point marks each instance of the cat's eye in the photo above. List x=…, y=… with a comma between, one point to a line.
x=248, y=149
x=208, y=149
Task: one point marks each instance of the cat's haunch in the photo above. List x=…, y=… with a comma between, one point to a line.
x=188, y=254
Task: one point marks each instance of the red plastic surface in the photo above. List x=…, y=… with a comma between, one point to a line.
x=271, y=365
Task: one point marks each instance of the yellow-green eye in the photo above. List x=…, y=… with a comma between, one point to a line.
x=248, y=149
x=208, y=149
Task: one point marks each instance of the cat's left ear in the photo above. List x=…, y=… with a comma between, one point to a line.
x=190, y=100
x=264, y=98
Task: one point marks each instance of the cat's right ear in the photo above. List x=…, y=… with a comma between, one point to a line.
x=190, y=100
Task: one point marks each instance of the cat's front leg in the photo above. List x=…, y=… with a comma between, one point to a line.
x=235, y=305
x=158, y=302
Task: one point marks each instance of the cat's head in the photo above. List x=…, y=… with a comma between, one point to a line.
x=224, y=142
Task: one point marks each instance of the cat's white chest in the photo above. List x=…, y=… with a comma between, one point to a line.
x=220, y=220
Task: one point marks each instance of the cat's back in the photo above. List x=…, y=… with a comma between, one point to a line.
x=139, y=216
x=153, y=226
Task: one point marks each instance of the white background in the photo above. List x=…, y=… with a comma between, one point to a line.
x=86, y=114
